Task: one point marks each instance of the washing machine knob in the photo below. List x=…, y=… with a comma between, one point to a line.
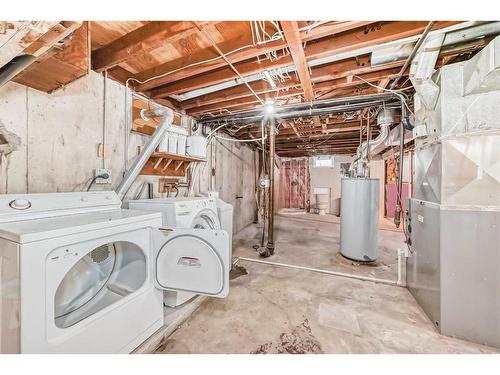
x=20, y=204
x=84, y=199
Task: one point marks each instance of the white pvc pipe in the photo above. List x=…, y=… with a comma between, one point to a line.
x=333, y=273
x=400, y=254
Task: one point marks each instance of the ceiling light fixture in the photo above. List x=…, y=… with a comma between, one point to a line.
x=269, y=107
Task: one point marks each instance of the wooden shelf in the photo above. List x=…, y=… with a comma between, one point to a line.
x=169, y=165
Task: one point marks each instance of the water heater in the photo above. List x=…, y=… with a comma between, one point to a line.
x=359, y=218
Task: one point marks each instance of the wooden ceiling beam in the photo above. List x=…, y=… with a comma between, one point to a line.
x=238, y=56
x=238, y=92
x=292, y=36
x=238, y=102
x=328, y=151
x=345, y=42
x=327, y=78
x=144, y=39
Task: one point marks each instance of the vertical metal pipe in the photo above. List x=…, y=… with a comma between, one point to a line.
x=368, y=146
x=167, y=116
x=360, y=131
x=399, y=205
x=412, y=172
x=270, y=223
x=104, y=94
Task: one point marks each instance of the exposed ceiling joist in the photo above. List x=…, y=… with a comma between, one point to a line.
x=388, y=32
x=238, y=56
x=143, y=39
x=292, y=36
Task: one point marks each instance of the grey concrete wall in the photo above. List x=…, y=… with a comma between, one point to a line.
x=59, y=135
x=234, y=178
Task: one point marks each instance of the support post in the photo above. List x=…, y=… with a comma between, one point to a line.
x=270, y=222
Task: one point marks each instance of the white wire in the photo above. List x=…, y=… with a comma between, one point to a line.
x=260, y=41
x=389, y=90
x=188, y=66
x=241, y=140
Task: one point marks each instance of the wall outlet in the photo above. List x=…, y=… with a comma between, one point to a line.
x=100, y=171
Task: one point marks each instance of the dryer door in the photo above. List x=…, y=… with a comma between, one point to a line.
x=192, y=260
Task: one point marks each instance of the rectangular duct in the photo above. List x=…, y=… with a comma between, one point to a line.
x=454, y=217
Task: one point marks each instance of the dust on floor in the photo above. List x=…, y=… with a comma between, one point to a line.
x=279, y=310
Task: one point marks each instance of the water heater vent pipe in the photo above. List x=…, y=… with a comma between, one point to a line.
x=385, y=118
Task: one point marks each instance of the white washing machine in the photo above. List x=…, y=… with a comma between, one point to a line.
x=80, y=275
x=225, y=214
x=189, y=212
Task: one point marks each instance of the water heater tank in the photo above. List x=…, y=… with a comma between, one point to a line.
x=359, y=218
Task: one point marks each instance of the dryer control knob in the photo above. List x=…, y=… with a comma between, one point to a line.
x=20, y=204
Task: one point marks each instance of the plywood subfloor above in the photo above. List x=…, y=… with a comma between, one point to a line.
x=57, y=68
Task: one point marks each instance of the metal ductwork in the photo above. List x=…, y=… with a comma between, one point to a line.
x=385, y=118
x=401, y=52
x=14, y=67
x=167, y=116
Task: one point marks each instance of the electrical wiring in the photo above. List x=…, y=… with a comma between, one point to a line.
x=259, y=42
x=241, y=140
x=188, y=66
x=214, y=44
x=400, y=91
x=276, y=36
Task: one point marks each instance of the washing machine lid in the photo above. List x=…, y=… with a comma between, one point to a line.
x=192, y=260
x=52, y=227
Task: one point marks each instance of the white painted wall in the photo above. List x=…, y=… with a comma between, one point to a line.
x=377, y=170
x=327, y=177
x=59, y=137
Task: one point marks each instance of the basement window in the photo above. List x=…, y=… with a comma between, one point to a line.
x=323, y=162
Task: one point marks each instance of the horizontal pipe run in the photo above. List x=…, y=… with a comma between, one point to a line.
x=333, y=273
x=305, y=106
x=298, y=113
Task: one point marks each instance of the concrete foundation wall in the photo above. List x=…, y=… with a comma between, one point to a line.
x=57, y=137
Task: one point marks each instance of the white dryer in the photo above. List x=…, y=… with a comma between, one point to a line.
x=80, y=275
x=185, y=212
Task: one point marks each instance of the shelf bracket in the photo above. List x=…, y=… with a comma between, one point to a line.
x=169, y=161
x=179, y=163
x=158, y=162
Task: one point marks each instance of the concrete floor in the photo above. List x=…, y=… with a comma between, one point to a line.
x=279, y=310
